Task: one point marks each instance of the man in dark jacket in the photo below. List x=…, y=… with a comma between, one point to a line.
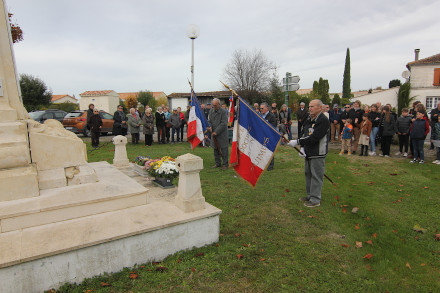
x=301, y=115
x=270, y=117
x=120, y=124
x=314, y=145
x=356, y=114
x=335, y=120
x=160, y=125
x=95, y=124
x=434, y=119
x=218, y=127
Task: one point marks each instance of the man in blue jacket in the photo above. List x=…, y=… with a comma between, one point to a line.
x=314, y=144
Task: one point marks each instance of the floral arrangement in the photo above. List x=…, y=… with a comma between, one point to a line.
x=164, y=167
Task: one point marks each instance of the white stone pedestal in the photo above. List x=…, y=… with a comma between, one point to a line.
x=120, y=159
x=189, y=196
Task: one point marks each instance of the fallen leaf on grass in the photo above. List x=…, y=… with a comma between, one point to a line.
x=355, y=210
x=368, y=256
x=161, y=269
x=133, y=275
x=393, y=174
x=408, y=266
x=437, y=237
x=422, y=264
x=395, y=231
x=358, y=244
x=368, y=218
x=104, y=284
x=237, y=234
x=246, y=245
x=300, y=211
x=286, y=190
x=419, y=229
x=426, y=187
x=217, y=245
x=240, y=256
x=344, y=210
x=369, y=268
x=262, y=259
x=179, y=260
x=356, y=227
x=193, y=270
x=337, y=198
x=345, y=245
x=200, y=254
x=369, y=242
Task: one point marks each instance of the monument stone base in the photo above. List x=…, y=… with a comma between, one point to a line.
x=75, y=232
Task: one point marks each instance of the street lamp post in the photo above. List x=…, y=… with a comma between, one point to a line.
x=192, y=32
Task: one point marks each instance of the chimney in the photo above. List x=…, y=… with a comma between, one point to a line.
x=417, y=51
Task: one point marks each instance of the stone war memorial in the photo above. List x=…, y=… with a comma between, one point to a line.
x=63, y=219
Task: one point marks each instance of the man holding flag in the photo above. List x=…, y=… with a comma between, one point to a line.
x=314, y=144
x=218, y=121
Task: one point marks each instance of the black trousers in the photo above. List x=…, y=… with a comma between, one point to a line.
x=403, y=142
x=161, y=133
x=135, y=138
x=386, y=144
x=148, y=139
x=95, y=138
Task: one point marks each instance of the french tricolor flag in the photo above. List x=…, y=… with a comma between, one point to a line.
x=196, y=122
x=253, y=144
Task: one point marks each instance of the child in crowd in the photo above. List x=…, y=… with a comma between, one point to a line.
x=435, y=136
x=419, y=130
x=346, y=134
x=364, y=138
x=403, y=125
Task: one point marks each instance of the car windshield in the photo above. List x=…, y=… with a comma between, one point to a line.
x=36, y=115
x=73, y=114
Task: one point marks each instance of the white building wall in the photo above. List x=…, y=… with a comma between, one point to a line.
x=385, y=97
x=179, y=102
x=422, y=76
x=108, y=103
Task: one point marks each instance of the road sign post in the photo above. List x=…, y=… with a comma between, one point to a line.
x=290, y=83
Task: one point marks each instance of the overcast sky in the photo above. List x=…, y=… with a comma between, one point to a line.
x=131, y=45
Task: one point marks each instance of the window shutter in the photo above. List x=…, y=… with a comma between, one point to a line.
x=437, y=76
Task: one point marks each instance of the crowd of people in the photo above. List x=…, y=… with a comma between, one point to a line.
x=357, y=128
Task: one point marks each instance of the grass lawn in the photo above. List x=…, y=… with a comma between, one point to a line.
x=270, y=242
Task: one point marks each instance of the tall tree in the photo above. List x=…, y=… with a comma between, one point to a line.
x=336, y=100
x=346, y=90
x=146, y=98
x=34, y=92
x=131, y=102
x=394, y=83
x=249, y=73
x=320, y=90
x=16, y=32
x=403, y=98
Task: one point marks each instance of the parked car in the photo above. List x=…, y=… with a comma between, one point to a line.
x=41, y=116
x=76, y=122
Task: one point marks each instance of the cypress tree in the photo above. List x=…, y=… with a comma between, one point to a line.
x=346, y=91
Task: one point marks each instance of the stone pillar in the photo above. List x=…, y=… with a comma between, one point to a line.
x=189, y=195
x=120, y=159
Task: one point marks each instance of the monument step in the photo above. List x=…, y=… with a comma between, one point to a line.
x=36, y=242
x=18, y=184
x=113, y=191
x=12, y=132
x=14, y=155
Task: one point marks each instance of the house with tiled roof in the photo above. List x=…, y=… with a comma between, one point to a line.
x=106, y=100
x=424, y=76
x=182, y=99
x=425, y=79
x=58, y=99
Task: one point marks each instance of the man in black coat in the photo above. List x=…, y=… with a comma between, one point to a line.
x=120, y=124
x=272, y=119
x=434, y=119
x=314, y=145
x=160, y=125
x=301, y=115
